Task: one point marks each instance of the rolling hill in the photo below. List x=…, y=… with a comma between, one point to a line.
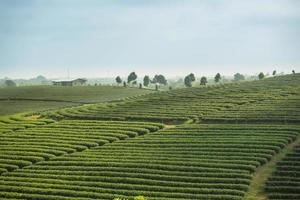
x=194, y=143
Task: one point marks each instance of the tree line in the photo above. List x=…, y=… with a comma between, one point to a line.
x=132, y=79
x=160, y=79
x=188, y=80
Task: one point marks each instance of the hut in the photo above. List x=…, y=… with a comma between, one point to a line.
x=70, y=82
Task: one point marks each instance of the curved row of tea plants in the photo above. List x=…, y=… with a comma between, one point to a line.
x=284, y=183
x=187, y=162
x=271, y=100
x=27, y=146
x=11, y=123
x=43, y=160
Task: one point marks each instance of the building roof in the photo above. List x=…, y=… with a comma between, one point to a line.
x=68, y=80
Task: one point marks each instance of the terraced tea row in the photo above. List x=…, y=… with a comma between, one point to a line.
x=270, y=100
x=285, y=180
x=16, y=122
x=27, y=146
x=187, y=162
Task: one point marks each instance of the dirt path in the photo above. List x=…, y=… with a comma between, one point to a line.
x=256, y=189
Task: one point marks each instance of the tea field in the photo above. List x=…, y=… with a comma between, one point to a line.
x=274, y=100
x=284, y=183
x=36, y=98
x=193, y=143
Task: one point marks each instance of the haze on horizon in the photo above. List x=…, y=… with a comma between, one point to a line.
x=99, y=38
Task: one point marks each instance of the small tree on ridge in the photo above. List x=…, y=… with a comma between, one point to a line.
x=203, y=80
x=118, y=80
x=146, y=81
x=131, y=77
x=217, y=77
x=261, y=76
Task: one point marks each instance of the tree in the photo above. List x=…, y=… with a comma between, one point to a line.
x=134, y=82
x=146, y=81
x=217, y=77
x=239, y=77
x=10, y=83
x=189, y=79
x=192, y=77
x=124, y=84
x=274, y=73
x=159, y=79
x=203, y=80
x=261, y=76
x=118, y=80
x=131, y=77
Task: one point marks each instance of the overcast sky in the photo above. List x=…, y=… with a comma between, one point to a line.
x=101, y=38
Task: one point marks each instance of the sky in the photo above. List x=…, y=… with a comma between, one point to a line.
x=106, y=38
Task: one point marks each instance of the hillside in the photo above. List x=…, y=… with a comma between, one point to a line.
x=194, y=143
x=37, y=98
x=270, y=100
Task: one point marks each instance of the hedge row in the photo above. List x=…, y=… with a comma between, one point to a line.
x=185, y=162
x=284, y=183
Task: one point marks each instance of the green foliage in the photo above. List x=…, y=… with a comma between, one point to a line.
x=189, y=79
x=135, y=198
x=203, y=80
x=131, y=77
x=159, y=79
x=84, y=156
x=70, y=136
x=284, y=182
x=246, y=102
x=193, y=161
x=139, y=198
x=217, y=77
x=146, y=81
x=261, y=76
x=239, y=77
x=118, y=80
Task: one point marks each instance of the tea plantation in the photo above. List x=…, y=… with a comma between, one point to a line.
x=284, y=183
x=194, y=143
x=35, y=98
x=274, y=100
